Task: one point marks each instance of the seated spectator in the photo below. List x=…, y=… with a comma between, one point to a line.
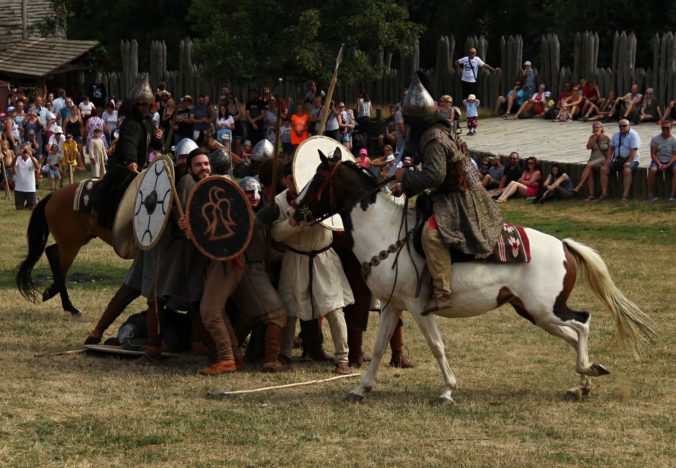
x=535, y=106
x=512, y=173
x=557, y=186
x=629, y=106
x=528, y=184
x=600, y=110
x=389, y=135
x=570, y=107
x=511, y=102
x=669, y=112
x=564, y=94
x=650, y=109
x=592, y=94
x=366, y=163
x=663, y=155
x=598, y=143
x=623, y=154
x=495, y=175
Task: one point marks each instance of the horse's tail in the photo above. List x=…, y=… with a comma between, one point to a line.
x=631, y=323
x=38, y=233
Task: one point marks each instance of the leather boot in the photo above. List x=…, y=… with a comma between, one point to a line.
x=397, y=346
x=312, y=341
x=273, y=338
x=221, y=367
x=122, y=298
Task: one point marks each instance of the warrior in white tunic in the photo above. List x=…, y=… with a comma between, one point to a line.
x=312, y=282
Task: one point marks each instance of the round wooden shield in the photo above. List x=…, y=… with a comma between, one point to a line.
x=305, y=162
x=153, y=203
x=124, y=242
x=221, y=220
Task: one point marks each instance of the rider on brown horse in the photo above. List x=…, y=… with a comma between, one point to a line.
x=137, y=137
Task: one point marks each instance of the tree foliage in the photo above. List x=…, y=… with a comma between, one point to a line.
x=298, y=39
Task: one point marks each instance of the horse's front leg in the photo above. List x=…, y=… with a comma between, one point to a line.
x=430, y=331
x=389, y=317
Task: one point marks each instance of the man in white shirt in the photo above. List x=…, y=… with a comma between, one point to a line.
x=469, y=67
x=26, y=173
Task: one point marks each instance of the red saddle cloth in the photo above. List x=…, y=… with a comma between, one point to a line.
x=512, y=246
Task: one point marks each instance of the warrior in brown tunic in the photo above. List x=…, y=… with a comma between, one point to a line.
x=465, y=217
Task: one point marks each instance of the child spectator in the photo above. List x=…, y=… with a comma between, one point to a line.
x=52, y=168
x=472, y=106
x=97, y=155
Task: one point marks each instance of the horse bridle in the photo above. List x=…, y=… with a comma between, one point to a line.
x=326, y=183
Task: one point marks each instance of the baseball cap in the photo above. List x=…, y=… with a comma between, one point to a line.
x=363, y=152
x=10, y=109
x=58, y=130
x=527, y=62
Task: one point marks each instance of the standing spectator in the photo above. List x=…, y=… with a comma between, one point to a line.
x=183, y=122
x=98, y=93
x=285, y=132
x=364, y=114
x=74, y=126
x=557, y=186
x=270, y=119
x=201, y=117
x=650, y=109
x=447, y=110
x=528, y=184
x=225, y=124
x=32, y=124
x=71, y=158
x=255, y=112
x=331, y=130
x=8, y=158
x=598, y=143
x=346, y=124
x=64, y=112
x=389, y=137
x=312, y=92
x=623, y=154
x=238, y=132
x=41, y=112
x=299, y=125
x=110, y=118
x=20, y=117
x=528, y=79
x=53, y=168
x=401, y=133
x=315, y=112
x=469, y=67
x=11, y=129
x=86, y=107
x=154, y=113
x=472, y=106
x=97, y=155
x=60, y=101
x=91, y=124
x=25, y=170
x=663, y=155
x=166, y=118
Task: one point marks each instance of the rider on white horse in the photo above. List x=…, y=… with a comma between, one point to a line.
x=465, y=218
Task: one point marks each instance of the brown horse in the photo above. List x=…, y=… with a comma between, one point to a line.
x=71, y=230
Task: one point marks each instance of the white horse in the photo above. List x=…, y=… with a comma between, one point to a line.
x=537, y=290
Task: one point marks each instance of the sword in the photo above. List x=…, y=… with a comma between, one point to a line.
x=329, y=95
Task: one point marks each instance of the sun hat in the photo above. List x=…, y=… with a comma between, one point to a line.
x=57, y=130
x=471, y=97
x=526, y=63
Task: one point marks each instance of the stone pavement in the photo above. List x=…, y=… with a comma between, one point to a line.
x=547, y=140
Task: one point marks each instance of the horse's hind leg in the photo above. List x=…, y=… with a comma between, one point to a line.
x=59, y=263
x=389, y=318
x=430, y=331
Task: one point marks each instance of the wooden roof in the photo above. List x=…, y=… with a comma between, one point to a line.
x=41, y=56
x=37, y=11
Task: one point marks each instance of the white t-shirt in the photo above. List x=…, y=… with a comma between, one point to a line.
x=110, y=118
x=58, y=104
x=364, y=108
x=25, y=175
x=86, y=109
x=470, y=69
x=52, y=141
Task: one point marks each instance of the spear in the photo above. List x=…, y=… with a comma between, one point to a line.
x=329, y=94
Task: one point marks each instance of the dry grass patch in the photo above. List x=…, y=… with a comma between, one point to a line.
x=91, y=411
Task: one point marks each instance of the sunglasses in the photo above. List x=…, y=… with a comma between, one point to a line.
x=666, y=128
x=623, y=126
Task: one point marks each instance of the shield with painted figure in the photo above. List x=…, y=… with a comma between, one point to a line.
x=220, y=217
x=153, y=203
x=124, y=242
x=305, y=162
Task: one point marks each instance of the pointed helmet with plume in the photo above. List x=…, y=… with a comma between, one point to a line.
x=418, y=101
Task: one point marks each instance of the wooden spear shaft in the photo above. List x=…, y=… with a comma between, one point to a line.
x=277, y=387
x=329, y=95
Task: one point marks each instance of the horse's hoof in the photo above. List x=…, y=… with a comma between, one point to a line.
x=74, y=311
x=600, y=369
x=441, y=401
x=573, y=394
x=354, y=398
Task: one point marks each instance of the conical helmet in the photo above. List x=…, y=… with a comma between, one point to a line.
x=263, y=150
x=142, y=93
x=418, y=101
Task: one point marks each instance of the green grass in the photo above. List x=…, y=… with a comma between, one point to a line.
x=81, y=410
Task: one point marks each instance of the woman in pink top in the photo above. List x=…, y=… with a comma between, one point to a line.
x=529, y=183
